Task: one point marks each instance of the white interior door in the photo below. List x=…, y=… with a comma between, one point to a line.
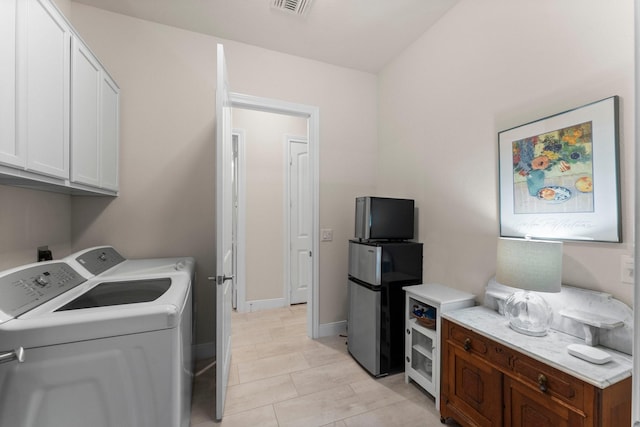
x=300, y=221
x=224, y=235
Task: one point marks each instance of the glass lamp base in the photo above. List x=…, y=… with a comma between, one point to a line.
x=528, y=313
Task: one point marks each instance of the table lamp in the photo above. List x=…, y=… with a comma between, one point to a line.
x=530, y=265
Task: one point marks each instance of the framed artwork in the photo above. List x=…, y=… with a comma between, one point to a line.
x=559, y=176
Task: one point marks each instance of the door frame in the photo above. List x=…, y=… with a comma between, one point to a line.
x=312, y=114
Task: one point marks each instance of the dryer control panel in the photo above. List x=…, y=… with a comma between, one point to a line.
x=99, y=260
x=33, y=285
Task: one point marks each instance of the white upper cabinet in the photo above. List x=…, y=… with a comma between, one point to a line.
x=85, y=113
x=109, y=132
x=10, y=152
x=94, y=121
x=59, y=108
x=43, y=98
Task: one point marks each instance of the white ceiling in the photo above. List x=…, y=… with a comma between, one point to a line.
x=360, y=34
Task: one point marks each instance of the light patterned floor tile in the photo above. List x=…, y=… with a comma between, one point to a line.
x=290, y=330
x=273, y=363
x=271, y=367
x=234, y=378
x=329, y=376
x=324, y=355
x=287, y=345
x=410, y=391
x=259, y=417
x=249, y=338
x=318, y=409
x=334, y=404
x=242, y=397
x=337, y=342
x=244, y=353
x=401, y=414
x=336, y=424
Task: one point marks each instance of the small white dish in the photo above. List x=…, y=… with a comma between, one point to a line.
x=590, y=354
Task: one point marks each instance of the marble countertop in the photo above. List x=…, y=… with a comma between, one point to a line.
x=550, y=349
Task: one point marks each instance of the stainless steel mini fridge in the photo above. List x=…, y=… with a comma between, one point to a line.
x=375, y=326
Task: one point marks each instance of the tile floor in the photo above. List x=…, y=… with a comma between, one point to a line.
x=280, y=377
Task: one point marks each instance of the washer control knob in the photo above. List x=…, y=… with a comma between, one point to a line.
x=41, y=280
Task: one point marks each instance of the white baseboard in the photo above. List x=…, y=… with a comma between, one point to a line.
x=332, y=329
x=263, y=304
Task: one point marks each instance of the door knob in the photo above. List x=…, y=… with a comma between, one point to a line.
x=221, y=279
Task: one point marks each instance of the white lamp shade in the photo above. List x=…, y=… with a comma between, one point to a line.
x=534, y=265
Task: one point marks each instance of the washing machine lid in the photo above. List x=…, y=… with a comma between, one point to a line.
x=27, y=287
x=151, y=266
x=105, y=261
x=121, y=292
x=52, y=323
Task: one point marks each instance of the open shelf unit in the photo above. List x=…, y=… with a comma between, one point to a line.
x=424, y=304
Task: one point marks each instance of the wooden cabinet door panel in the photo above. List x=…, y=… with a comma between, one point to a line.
x=475, y=389
x=526, y=407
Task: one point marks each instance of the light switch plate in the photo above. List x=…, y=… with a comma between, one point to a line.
x=627, y=269
x=326, y=234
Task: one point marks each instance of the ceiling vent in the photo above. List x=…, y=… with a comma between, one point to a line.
x=298, y=7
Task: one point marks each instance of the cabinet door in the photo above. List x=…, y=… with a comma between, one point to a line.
x=109, y=133
x=527, y=407
x=44, y=89
x=471, y=389
x=85, y=98
x=10, y=152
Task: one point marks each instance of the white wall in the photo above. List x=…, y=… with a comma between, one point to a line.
x=166, y=204
x=485, y=67
x=29, y=219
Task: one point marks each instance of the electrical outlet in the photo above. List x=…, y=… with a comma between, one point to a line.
x=627, y=270
x=44, y=253
x=326, y=234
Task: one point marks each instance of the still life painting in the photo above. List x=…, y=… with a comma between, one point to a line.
x=559, y=176
x=553, y=172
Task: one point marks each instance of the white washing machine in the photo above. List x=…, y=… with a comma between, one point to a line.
x=83, y=344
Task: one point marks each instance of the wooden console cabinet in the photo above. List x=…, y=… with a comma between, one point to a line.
x=485, y=383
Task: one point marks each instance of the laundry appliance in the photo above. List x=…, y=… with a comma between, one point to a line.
x=96, y=339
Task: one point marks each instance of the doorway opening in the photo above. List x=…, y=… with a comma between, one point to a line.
x=300, y=180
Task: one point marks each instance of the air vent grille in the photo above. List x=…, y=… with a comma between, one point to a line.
x=298, y=7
